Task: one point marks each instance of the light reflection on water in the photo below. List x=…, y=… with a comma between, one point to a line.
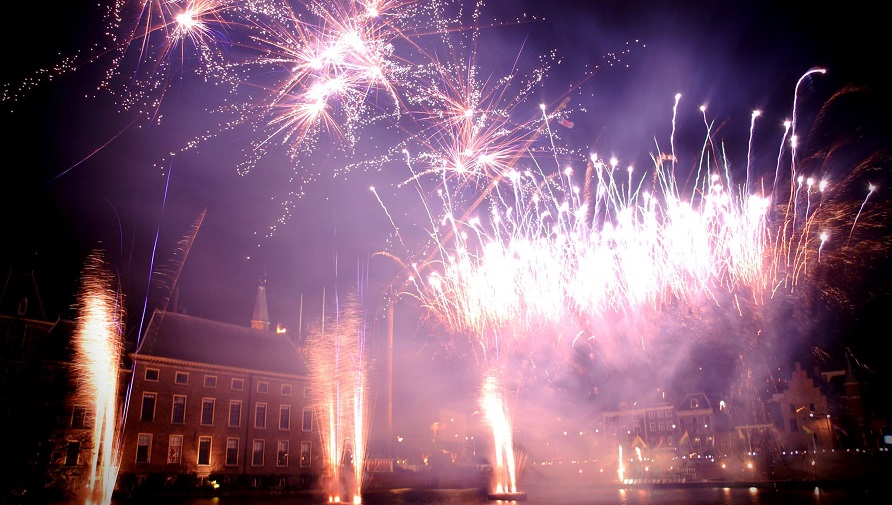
x=542, y=495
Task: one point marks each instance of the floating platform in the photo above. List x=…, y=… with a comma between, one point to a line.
x=515, y=496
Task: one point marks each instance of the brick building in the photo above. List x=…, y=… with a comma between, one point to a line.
x=218, y=404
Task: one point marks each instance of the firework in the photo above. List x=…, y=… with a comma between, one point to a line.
x=98, y=350
x=339, y=369
x=497, y=415
x=548, y=253
x=631, y=266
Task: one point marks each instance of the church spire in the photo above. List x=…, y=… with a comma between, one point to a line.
x=260, y=319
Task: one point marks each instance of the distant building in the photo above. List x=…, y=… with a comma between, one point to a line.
x=696, y=424
x=220, y=405
x=686, y=428
x=801, y=413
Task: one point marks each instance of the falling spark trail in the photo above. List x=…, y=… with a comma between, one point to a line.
x=672, y=135
x=749, y=148
x=152, y=257
x=795, y=114
x=870, y=189
x=100, y=148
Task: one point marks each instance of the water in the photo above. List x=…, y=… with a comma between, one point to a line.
x=542, y=495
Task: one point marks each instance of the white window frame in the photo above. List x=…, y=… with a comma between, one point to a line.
x=283, y=409
x=173, y=403
x=210, y=442
x=254, y=445
x=174, y=458
x=142, y=406
x=139, y=438
x=238, y=421
x=308, y=461
x=306, y=414
x=229, y=441
x=279, y=444
x=257, y=407
x=204, y=403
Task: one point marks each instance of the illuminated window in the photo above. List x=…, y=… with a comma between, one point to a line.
x=257, y=453
x=207, y=411
x=285, y=417
x=235, y=413
x=231, y=451
x=175, y=450
x=178, y=415
x=204, y=450
x=260, y=415
x=305, y=448
x=148, y=407
x=282, y=453
x=143, y=447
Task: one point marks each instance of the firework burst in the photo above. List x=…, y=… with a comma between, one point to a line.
x=638, y=271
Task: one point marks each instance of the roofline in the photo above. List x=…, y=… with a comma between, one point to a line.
x=223, y=368
x=28, y=320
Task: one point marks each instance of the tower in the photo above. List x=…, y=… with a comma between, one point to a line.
x=260, y=319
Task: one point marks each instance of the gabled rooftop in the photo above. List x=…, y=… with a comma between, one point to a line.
x=181, y=337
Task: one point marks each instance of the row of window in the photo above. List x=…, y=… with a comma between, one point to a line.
x=661, y=426
x=210, y=381
x=208, y=405
x=231, y=455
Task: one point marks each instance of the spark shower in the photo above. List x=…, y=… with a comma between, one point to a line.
x=530, y=245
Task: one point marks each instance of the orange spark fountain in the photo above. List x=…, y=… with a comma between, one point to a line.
x=98, y=348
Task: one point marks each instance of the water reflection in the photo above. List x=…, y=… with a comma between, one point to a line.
x=545, y=495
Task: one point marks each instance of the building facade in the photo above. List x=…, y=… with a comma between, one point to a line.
x=35, y=359
x=216, y=404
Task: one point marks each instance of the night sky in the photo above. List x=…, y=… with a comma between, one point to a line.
x=84, y=172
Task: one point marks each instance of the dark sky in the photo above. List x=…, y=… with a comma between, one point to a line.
x=82, y=170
